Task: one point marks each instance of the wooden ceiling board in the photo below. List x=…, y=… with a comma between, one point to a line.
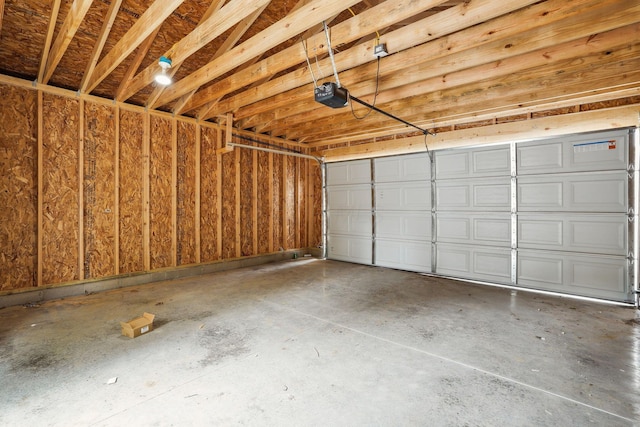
x=451, y=63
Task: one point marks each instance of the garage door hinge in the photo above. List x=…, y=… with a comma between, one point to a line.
x=632, y=214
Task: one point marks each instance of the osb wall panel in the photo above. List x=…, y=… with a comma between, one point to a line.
x=160, y=192
x=208, y=196
x=246, y=201
x=229, y=205
x=264, y=202
x=315, y=239
x=99, y=194
x=60, y=223
x=276, y=207
x=18, y=188
x=290, y=194
x=131, y=192
x=186, y=194
x=301, y=202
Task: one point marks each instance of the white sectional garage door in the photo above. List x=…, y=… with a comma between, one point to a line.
x=349, y=213
x=556, y=215
x=403, y=212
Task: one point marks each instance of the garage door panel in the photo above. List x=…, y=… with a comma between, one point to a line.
x=358, y=223
x=479, y=195
x=474, y=229
x=477, y=263
x=599, y=234
x=579, y=274
x=539, y=269
x=352, y=172
x=411, y=256
x=349, y=197
x=479, y=162
x=596, y=152
x=412, y=167
x=403, y=225
x=350, y=248
x=410, y=196
x=579, y=192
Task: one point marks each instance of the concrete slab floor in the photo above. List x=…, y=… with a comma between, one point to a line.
x=313, y=343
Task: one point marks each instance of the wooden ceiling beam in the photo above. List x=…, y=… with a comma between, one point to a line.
x=544, y=127
x=150, y=20
x=430, y=28
x=213, y=8
x=182, y=102
x=133, y=67
x=1, y=14
x=365, y=23
x=604, y=48
x=68, y=30
x=114, y=7
x=53, y=18
x=286, y=28
x=444, y=69
x=215, y=25
x=227, y=45
x=539, y=90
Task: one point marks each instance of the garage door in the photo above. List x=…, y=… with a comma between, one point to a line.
x=402, y=214
x=349, y=212
x=557, y=215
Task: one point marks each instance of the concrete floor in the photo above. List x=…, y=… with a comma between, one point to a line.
x=310, y=342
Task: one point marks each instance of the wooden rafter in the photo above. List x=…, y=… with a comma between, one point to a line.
x=213, y=8
x=150, y=20
x=229, y=42
x=182, y=102
x=452, y=20
x=350, y=30
x=212, y=27
x=133, y=68
x=293, y=24
x=71, y=24
x=1, y=14
x=53, y=18
x=439, y=75
x=102, y=38
x=455, y=48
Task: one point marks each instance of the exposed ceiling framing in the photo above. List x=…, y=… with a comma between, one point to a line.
x=449, y=62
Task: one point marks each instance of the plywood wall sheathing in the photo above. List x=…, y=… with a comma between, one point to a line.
x=316, y=182
x=186, y=194
x=60, y=190
x=277, y=201
x=131, y=191
x=160, y=190
x=99, y=184
x=246, y=173
x=290, y=204
x=228, y=218
x=18, y=188
x=209, y=195
x=264, y=202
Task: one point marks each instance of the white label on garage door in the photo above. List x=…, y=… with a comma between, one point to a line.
x=594, y=146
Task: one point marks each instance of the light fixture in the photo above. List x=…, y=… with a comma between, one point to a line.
x=163, y=78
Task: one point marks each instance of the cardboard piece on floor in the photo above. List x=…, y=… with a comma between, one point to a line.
x=138, y=326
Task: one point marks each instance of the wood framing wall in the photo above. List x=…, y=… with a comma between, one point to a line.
x=92, y=189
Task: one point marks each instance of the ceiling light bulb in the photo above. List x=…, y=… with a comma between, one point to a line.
x=163, y=77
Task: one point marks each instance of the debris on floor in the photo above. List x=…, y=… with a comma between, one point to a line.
x=138, y=326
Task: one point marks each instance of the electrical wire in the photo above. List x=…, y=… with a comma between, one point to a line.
x=375, y=96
